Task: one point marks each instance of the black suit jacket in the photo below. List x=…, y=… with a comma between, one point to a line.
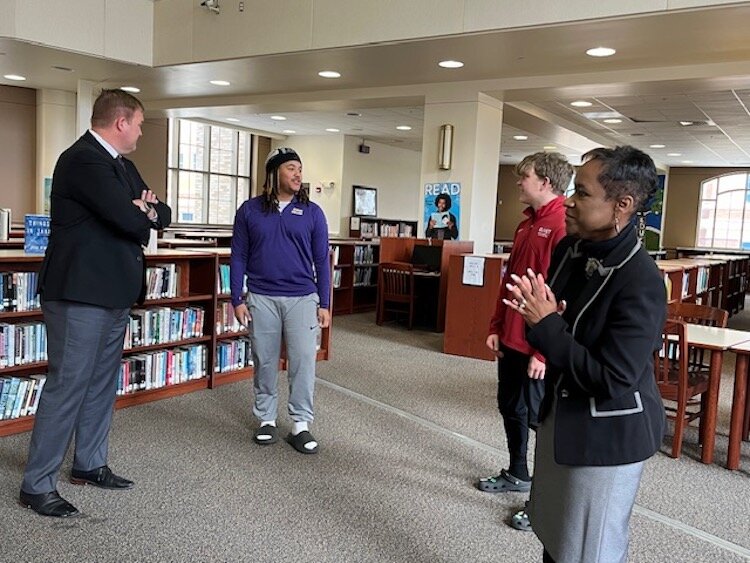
x=95, y=253
x=600, y=356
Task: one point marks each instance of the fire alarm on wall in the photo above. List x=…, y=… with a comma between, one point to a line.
x=364, y=149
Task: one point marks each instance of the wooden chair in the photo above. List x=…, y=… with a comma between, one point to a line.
x=677, y=383
x=395, y=290
x=701, y=315
x=698, y=314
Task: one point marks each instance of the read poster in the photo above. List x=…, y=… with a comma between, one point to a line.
x=442, y=210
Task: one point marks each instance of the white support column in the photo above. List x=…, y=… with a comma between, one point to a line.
x=55, y=132
x=85, y=102
x=477, y=123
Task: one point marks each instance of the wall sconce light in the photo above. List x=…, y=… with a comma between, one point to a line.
x=445, y=147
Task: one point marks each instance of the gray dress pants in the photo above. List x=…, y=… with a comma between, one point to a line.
x=84, y=346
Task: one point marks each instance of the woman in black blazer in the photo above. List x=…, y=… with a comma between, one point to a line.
x=597, y=321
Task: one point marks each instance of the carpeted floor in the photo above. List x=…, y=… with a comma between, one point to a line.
x=404, y=430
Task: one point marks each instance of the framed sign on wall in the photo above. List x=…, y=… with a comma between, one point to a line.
x=365, y=201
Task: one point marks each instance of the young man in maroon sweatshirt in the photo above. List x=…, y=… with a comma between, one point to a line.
x=542, y=180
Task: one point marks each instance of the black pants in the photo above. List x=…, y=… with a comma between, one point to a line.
x=547, y=558
x=518, y=399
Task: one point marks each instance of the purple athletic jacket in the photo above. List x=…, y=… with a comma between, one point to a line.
x=277, y=251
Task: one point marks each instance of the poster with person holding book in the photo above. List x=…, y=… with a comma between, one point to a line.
x=442, y=208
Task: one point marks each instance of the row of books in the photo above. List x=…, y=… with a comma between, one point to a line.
x=336, y=278
x=23, y=343
x=335, y=249
x=223, y=282
x=18, y=291
x=364, y=254
x=233, y=355
x=390, y=231
x=161, y=325
x=368, y=230
x=225, y=319
x=364, y=276
x=160, y=369
x=162, y=281
x=19, y=396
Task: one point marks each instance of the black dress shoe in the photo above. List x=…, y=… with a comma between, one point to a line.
x=48, y=504
x=101, y=477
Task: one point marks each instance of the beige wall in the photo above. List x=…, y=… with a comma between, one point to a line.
x=392, y=170
x=509, y=209
x=185, y=32
x=151, y=155
x=115, y=29
x=18, y=150
x=681, y=209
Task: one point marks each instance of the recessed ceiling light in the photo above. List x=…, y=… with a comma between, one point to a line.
x=288, y=131
x=219, y=82
x=451, y=64
x=687, y=162
x=278, y=118
x=131, y=89
x=17, y=77
x=329, y=74
x=600, y=52
x=613, y=120
x=674, y=154
x=657, y=146
x=520, y=137
x=233, y=119
x=403, y=128
x=686, y=123
x=549, y=147
x=332, y=130
x=581, y=104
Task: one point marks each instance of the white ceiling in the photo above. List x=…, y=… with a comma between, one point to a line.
x=687, y=66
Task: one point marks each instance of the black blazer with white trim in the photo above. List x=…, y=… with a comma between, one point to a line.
x=600, y=356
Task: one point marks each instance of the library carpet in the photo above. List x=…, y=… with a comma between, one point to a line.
x=404, y=430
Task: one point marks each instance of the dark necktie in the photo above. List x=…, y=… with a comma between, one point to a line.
x=121, y=162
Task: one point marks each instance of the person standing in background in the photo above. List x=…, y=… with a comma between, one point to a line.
x=598, y=321
x=542, y=179
x=280, y=241
x=93, y=272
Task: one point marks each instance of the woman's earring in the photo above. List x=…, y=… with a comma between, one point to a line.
x=617, y=224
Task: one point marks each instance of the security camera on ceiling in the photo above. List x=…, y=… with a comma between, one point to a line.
x=212, y=5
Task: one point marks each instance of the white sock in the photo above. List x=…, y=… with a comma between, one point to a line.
x=301, y=427
x=263, y=423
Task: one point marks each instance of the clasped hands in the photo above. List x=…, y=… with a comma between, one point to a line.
x=145, y=204
x=532, y=298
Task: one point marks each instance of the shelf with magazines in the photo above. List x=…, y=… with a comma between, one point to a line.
x=231, y=343
x=167, y=349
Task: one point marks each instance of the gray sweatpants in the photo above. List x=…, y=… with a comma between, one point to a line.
x=296, y=320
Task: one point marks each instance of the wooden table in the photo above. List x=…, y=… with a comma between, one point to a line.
x=717, y=341
x=739, y=400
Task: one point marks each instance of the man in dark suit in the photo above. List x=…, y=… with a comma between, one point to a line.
x=93, y=271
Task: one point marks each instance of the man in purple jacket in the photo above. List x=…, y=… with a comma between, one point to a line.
x=280, y=242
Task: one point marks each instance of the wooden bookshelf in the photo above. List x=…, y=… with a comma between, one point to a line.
x=356, y=269
x=198, y=287
x=673, y=277
x=372, y=228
